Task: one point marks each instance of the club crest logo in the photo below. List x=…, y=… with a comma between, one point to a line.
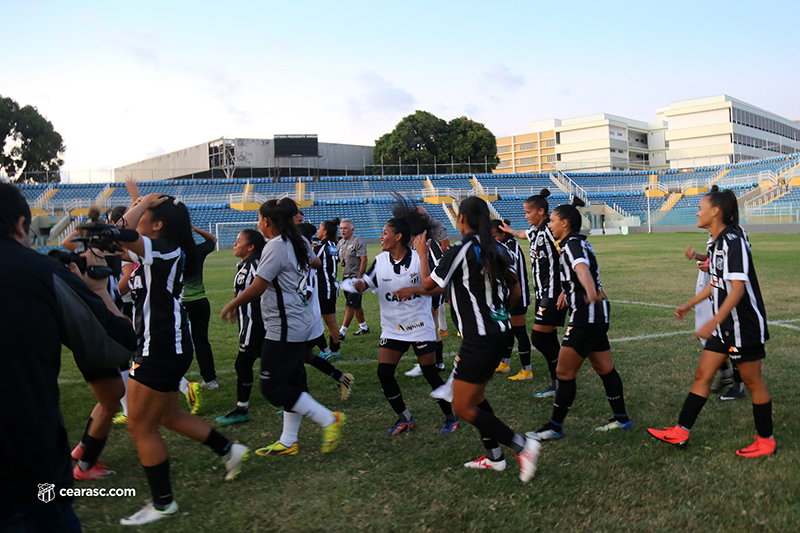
x=47, y=492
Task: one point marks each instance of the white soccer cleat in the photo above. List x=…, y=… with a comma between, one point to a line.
x=234, y=459
x=484, y=463
x=148, y=514
x=414, y=372
x=528, y=459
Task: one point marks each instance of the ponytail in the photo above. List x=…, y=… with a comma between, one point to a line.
x=539, y=201
x=415, y=217
x=281, y=213
x=177, y=229
x=570, y=213
x=476, y=213
x=331, y=228
x=255, y=239
x=728, y=205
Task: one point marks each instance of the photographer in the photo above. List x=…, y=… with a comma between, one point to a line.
x=42, y=305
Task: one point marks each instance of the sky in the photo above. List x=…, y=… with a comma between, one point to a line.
x=123, y=82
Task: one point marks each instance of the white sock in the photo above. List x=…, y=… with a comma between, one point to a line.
x=124, y=400
x=308, y=406
x=342, y=330
x=183, y=386
x=363, y=325
x=442, y=318
x=291, y=426
x=243, y=405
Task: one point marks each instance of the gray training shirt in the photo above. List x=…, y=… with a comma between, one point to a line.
x=350, y=253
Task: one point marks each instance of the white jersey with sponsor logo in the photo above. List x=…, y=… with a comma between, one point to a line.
x=409, y=320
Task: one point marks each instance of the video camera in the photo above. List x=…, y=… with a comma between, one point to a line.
x=98, y=236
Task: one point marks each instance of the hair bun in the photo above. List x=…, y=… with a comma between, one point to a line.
x=544, y=193
x=578, y=202
x=714, y=188
x=336, y=221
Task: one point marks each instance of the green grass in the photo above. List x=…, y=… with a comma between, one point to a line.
x=415, y=482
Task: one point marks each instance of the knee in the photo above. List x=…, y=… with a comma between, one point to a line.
x=386, y=372
x=702, y=375
x=464, y=410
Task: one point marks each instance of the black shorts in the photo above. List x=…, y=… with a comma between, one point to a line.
x=420, y=347
x=352, y=299
x=547, y=314
x=327, y=306
x=587, y=339
x=737, y=354
x=252, y=350
x=518, y=309
x=283, y=372
x=479, y=356
x=162, y=374
x=93, y=373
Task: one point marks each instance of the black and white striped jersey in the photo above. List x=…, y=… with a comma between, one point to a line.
x=730, y=260
x=544, y=261
x=476, y=307
x=156, y=284
x=575, y=249
x=327, y=273
x=435, y=255
x=522, y=270
x=251, y=326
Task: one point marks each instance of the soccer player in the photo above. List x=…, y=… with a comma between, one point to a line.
x=546, y=281
x=738, y=329
x=164, y=250
x=248, y=246
x=482, y=286
x=587, y=334
x=406, y=320
x=520, y=309
x=281, y=283
x=328, y=255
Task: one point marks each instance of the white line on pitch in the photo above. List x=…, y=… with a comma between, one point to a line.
x=643, y=303
x=653, y=336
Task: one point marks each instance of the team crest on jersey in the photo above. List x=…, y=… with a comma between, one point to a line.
x=241, y=278
x=540, y=240
x=718, y=263
x=414, y=277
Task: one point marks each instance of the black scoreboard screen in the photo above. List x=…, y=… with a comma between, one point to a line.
x=296, y=146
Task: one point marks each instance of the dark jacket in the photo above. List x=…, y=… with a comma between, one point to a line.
x=42, y=305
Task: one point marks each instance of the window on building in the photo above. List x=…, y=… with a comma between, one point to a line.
x=549, y=143
x=523, y=161
x=524, y=147
x=503, y=149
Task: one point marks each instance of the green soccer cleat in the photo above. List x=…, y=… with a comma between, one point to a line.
x=331, y=434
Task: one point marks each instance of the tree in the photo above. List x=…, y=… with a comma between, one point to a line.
x=30, y=144
x=421, y=139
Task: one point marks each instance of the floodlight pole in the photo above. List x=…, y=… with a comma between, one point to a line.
x=648, y=214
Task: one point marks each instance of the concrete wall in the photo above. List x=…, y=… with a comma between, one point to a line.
x=166, y=166
x=751, y=228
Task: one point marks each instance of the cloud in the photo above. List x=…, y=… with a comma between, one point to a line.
x=500, y=77
x=378, y=95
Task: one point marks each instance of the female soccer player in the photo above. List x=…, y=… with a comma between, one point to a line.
x=406, y=320
x=738, y=329
x=163, y=250
x=520, y=309
x=281, y=282
x=328, y=291
x=546, y=282
x=248, y=246
x=586, y=335
x=482, y=286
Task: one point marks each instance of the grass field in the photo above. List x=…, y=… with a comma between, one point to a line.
x=415, y=482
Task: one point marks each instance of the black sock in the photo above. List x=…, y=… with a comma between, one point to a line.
x=762, y=415
x=86, y=431
x=490, y=425
x=489, y=443
x=613, y=385
x=691, y=408
x=244, y=377
x=509, y=347
x=724, y=365
x=523, y=345
x=564, y=398
x=334, y=346
x=435, y=381
x=547, y=344
x=326, y=368
x=160, y=487
x=737, y=378
x=218, y=443
x=390, y=387
x=91, y=450
x=440, y=353
x=320, y=343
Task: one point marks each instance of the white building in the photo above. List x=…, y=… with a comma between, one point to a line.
x=228, y=158
x=717, y=130
x=720, y=130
